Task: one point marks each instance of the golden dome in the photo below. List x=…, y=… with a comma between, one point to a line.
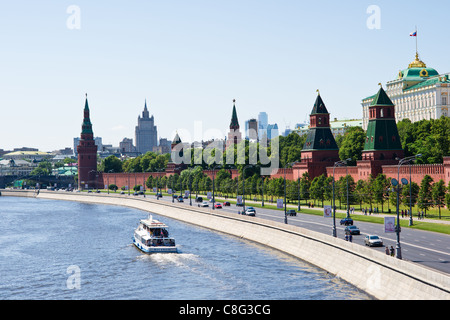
x=417, y=63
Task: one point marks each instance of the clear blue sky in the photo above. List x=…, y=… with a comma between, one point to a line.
x=191, y=58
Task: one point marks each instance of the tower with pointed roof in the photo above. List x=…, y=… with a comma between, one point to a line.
x=234, y=135
x=177, y=161
x=87, y=153
x=320, y=144
x=146, y=134
x=320, y=149
x=382, y=138
x=382, y=145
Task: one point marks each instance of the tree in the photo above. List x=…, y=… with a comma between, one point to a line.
x=43, y=169
x=113, y=187
x=425, y=194
x=317, y=188
x=360, y=194
x=111, y=164
x=369, y=190
x=380, y=189
x=431, y=138
x=341, y=189
x=305, y=184
x=414, y=194
x=352, y=144
x=438, y=193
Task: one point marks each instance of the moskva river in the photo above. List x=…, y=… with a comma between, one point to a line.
x=68, y=250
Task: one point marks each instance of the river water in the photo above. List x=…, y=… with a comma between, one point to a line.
x=68, y=250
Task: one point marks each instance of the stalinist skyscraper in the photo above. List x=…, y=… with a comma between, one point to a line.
x=146, y=132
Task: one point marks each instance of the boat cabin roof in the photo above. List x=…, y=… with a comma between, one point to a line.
x=152, y=223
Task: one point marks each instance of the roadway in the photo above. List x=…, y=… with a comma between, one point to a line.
x=427, y=248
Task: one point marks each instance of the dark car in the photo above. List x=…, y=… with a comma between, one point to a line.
x=250, y=211
x=226, y=204
x=352, y=230
x=291, y=212
x=199, y=199
x=346, y=222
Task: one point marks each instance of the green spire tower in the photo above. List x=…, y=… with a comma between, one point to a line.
x=320, y=144
x=382, y=138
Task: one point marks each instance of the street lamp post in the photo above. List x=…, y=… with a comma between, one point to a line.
x=285, y=211
x=214, y=176
x=346, y=176
x=173, y=188
x=262, y=190
x=336, y=164
x=397, y=187
x=108, y=178
x=410, y=190
x=243, y=185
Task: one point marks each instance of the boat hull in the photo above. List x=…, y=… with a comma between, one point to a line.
x=154, y=249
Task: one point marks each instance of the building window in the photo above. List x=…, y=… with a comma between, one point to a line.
x=444, y=100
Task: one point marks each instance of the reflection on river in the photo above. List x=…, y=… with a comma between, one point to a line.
x=68, y=250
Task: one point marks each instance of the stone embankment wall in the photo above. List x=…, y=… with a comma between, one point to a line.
x=379, y=275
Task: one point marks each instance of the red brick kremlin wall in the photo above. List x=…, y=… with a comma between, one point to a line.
x=359, y=172
x=418, y=171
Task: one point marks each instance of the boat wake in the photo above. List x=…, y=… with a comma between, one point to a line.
x=169, y=259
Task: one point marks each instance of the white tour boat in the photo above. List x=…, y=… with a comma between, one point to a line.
x=151, y=236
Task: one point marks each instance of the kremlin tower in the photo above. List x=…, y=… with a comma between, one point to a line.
x=320, y=149
x=234, y=136
x=87, y=153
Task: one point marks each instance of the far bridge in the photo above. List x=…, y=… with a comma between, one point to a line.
x=44, y=181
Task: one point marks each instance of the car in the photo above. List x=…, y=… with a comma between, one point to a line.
x=373, y=240
x=352, y=230
x=159, y=195
x=204, y=204
x=199, y=199
x=226, y=204
x=346, y=222
x=250, y=211
x=218, y=206
x=291, y=212
x=175, y=196
x=180, y=199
